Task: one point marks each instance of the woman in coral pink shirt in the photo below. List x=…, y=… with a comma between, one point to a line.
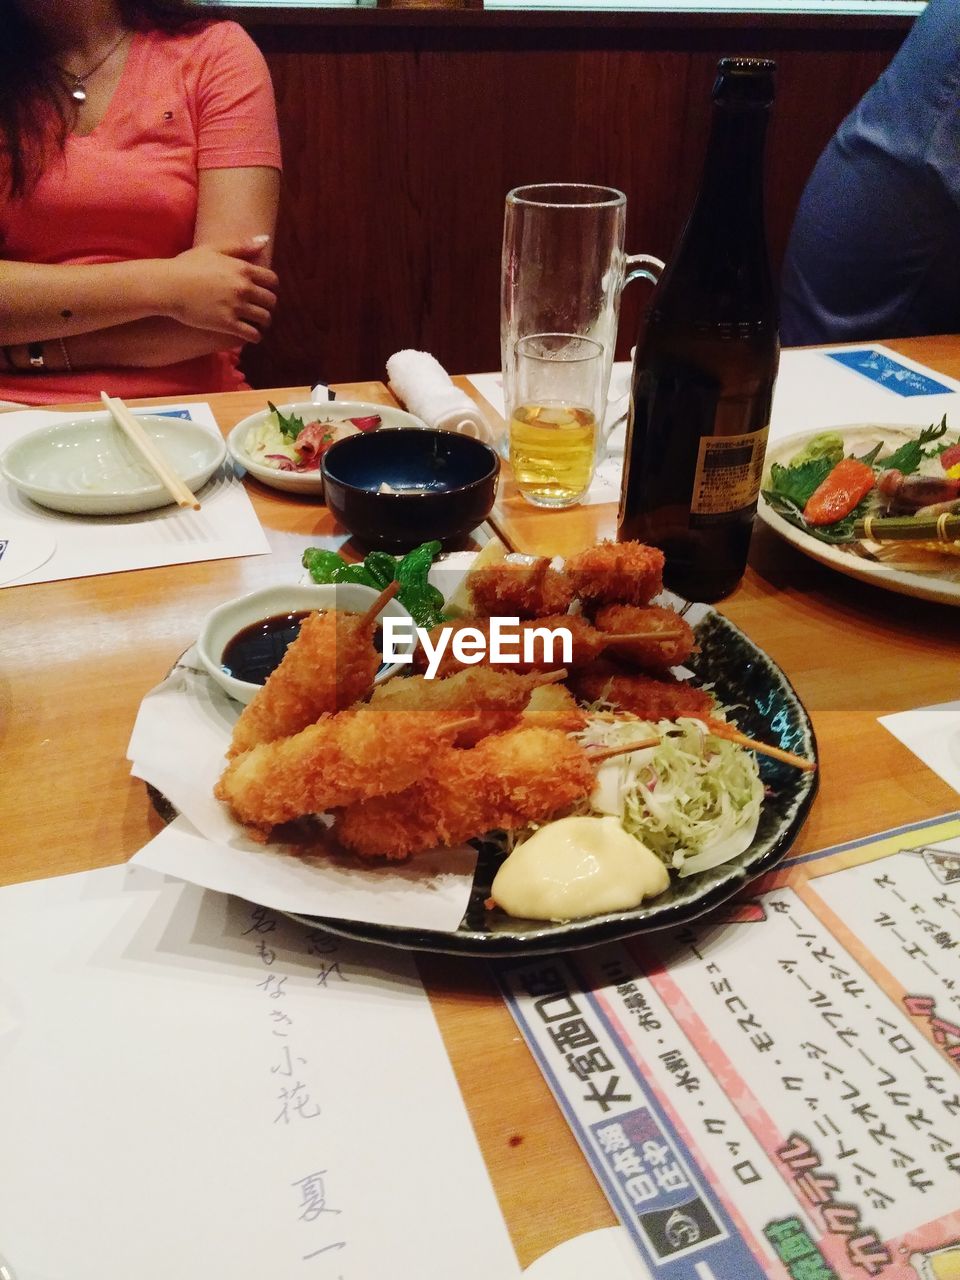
x=139, y=179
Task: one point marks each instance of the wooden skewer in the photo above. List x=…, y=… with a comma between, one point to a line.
x=181, y=494
x=549, y=677
x=385, y=595
x=659, y=637
x=722, y=730
x=465, y=722
x=608, y=753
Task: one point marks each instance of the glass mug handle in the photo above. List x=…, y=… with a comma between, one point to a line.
x=642, y=266
x=638, y=266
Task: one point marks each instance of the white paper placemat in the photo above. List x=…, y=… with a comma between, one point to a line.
x=193, y=1087
x=815, y=390
x=226, y=526
x=24, y=547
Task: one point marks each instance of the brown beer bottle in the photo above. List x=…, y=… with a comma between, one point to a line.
x=705, y=368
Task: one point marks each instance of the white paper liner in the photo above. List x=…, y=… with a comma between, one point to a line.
x=178, y=745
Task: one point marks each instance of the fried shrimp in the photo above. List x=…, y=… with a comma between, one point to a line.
x=553, y=707
x=645, y=696
x=617, y=573
x=329, y=666
x=515, y=590
x=495, y=699
x=655, y=639
x=526, y=775
x=337, y=761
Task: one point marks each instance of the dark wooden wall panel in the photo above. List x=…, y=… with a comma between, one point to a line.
x=401, y=141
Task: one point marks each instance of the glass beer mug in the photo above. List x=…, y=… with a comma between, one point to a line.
x=563, y=269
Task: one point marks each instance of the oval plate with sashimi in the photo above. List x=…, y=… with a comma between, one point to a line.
x=282, y=445
x=820, y=486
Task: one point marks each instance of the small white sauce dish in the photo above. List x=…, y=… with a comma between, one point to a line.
x=230, y=618
x=87, y=466
x=309, y=484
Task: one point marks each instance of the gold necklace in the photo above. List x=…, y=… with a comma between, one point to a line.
x=78, y=92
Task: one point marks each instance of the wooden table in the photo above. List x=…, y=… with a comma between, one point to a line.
x=79, y=655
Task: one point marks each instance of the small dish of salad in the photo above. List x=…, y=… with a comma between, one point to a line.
x=820, y=487
x=282, y=446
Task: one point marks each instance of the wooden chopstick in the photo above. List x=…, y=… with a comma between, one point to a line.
x=181, y=494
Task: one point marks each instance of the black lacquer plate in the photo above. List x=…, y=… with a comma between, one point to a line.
x=765, y=707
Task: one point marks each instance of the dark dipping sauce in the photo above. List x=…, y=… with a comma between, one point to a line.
x=257, y=650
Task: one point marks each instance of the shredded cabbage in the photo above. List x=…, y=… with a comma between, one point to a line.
x=694, y=799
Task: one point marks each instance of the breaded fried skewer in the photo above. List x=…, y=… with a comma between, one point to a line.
x=339, y=760
x=553, y=707
x=526, y=775
x=516, y=590
x=331, y=663
x=588, y=643
x=496, y=699
x=617, y=573
x=610, y=573
x=648, y=636
x=647, y=697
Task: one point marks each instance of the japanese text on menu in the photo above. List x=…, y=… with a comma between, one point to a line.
x=775, y=1091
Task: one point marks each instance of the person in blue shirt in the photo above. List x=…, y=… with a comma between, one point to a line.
x=874, y=251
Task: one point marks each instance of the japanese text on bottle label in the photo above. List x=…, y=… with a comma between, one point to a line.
x=729, y=473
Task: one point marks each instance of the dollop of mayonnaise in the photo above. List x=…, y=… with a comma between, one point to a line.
x=578, y=867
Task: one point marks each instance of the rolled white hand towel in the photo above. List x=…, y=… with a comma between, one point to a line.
x=424, y=387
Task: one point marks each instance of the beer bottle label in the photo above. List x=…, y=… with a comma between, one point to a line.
x=729, y=473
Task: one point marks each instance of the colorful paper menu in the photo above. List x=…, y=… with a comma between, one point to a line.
x=774, y=1091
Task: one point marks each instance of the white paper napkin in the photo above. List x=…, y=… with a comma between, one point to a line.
x=607, y=1252
x=178, y=745
x=933, y=735
x=422, y=384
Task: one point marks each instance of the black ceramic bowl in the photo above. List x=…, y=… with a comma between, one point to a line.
x=446, y=486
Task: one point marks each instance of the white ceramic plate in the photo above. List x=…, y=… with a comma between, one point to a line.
x=925, y=578
x=86, y=466
x=309, y=484
x=742, y=676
